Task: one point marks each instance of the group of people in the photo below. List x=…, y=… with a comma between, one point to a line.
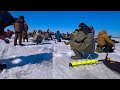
x=40, y=35
x=82, y=41
x=48, y=35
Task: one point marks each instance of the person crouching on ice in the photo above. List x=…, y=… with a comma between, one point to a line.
x=105, y=42
x=83, y=42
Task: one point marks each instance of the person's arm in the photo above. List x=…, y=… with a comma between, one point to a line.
x=107, y=39
x=80, y=37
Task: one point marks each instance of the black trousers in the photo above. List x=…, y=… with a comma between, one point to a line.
x=18, y=36
x=108, y=48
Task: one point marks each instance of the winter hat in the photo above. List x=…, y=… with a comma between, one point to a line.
x=81, y=24
x=21, y=17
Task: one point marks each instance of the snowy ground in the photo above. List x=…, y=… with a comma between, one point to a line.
x=50, y=60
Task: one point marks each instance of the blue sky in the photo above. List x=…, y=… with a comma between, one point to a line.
x=68, y=21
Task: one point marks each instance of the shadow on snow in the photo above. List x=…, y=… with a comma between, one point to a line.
x=32, y=59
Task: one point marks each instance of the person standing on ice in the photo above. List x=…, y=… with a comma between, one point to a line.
x=19, y=27
x=58, y=36
x=83, y=42
x=24, y=33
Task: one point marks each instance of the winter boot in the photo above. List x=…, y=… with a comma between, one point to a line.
x=77, y=56
x=99, y=49
x=22, y=44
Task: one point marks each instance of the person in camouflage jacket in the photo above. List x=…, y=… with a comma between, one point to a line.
x=83, y=42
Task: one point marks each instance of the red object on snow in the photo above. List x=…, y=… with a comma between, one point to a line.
x=3, y=38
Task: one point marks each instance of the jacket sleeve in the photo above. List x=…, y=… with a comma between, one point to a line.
x=80, y=37
x=107, y=39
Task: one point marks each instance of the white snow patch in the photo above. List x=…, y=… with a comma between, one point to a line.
x=70, y=53
x=58, y=55
x=16, y=61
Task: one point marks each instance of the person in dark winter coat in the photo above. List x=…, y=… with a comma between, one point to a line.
x=18, y=27
x=83, y=42
x=39, y=37
x=58, y=36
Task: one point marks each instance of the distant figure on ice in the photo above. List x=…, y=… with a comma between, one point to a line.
x=83, y=42
x=19, y=27
x=24, y=33
x=105, y=44
x=68, y=36
x=63, y=36
x=46, y=36
x=40, y=37
x=58, y=36
x=49, y=34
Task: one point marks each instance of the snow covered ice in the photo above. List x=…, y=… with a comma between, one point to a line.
x=50, y=60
